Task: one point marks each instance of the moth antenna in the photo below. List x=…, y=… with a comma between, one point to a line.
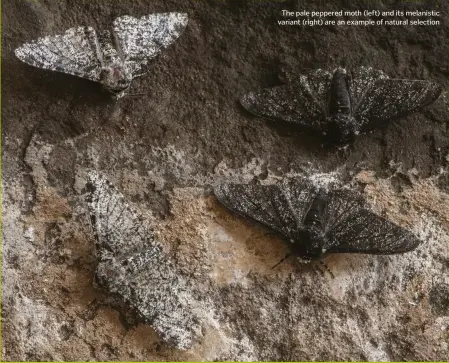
x=321, y=262
x=282, y=260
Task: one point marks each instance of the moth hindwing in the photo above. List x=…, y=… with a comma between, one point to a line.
x=341, y=104
x=314, y=221
x=112, y=59
x=134, y=268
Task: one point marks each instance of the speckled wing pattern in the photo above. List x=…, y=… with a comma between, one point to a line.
x=350, y=227
x=281, y=209
x=133, y=266
x=75, y=52
x=347, y=225
x=304, y=102
x=388, y=99
x=360, y=80
x=143, y=39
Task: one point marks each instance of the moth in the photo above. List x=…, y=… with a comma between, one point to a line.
x=114, y=58
x=315, y=222
x=133, y=267
x=342, y=104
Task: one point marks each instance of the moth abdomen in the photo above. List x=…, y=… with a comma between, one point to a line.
x=340, y=100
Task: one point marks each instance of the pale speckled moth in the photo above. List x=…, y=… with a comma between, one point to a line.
x=314, y=221
x=114, y=58
x=133, y=267
x=341, y=104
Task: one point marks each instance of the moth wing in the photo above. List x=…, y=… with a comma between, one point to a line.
x=387, y=99
x=304, y=102
x=75, y=52
x=299, y=194
x=350, y=227
x=142, y=39
x=317, y=83
x=134, y=267
x=118, y=228
x=268, y=205
x=151, y=284
x=360, y=81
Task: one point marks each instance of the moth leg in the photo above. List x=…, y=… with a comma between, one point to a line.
x=282, y=260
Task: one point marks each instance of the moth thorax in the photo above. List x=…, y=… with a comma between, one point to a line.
x=340, y=99
x=116, y=79
x=308, y=244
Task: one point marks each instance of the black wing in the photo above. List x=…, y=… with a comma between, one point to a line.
x=75, y=52
x=281, y=209
x=388, y=99
x=360, y=81
x=134, y=267
x=303, y=103
x=350, y=227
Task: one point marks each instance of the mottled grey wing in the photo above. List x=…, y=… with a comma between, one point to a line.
x=119, y=230
x=281, y=209
x=75, y=52
x=387, y=99
x=142, y=39
x=304, y=102
x=350, y=227
x=134, y=267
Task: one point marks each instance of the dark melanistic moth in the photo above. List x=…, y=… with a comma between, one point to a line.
x=114, y=58
x=314, y=221
x=341, y=104
x=133, y=267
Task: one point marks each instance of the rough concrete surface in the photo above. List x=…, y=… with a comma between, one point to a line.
x=165, y=149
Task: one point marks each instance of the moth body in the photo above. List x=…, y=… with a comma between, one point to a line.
x=340, y=123
x=115, y=76
x=310, y=241
x=116, y=79
x=340, y=99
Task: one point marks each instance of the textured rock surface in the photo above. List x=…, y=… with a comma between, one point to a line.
x=164, y=150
